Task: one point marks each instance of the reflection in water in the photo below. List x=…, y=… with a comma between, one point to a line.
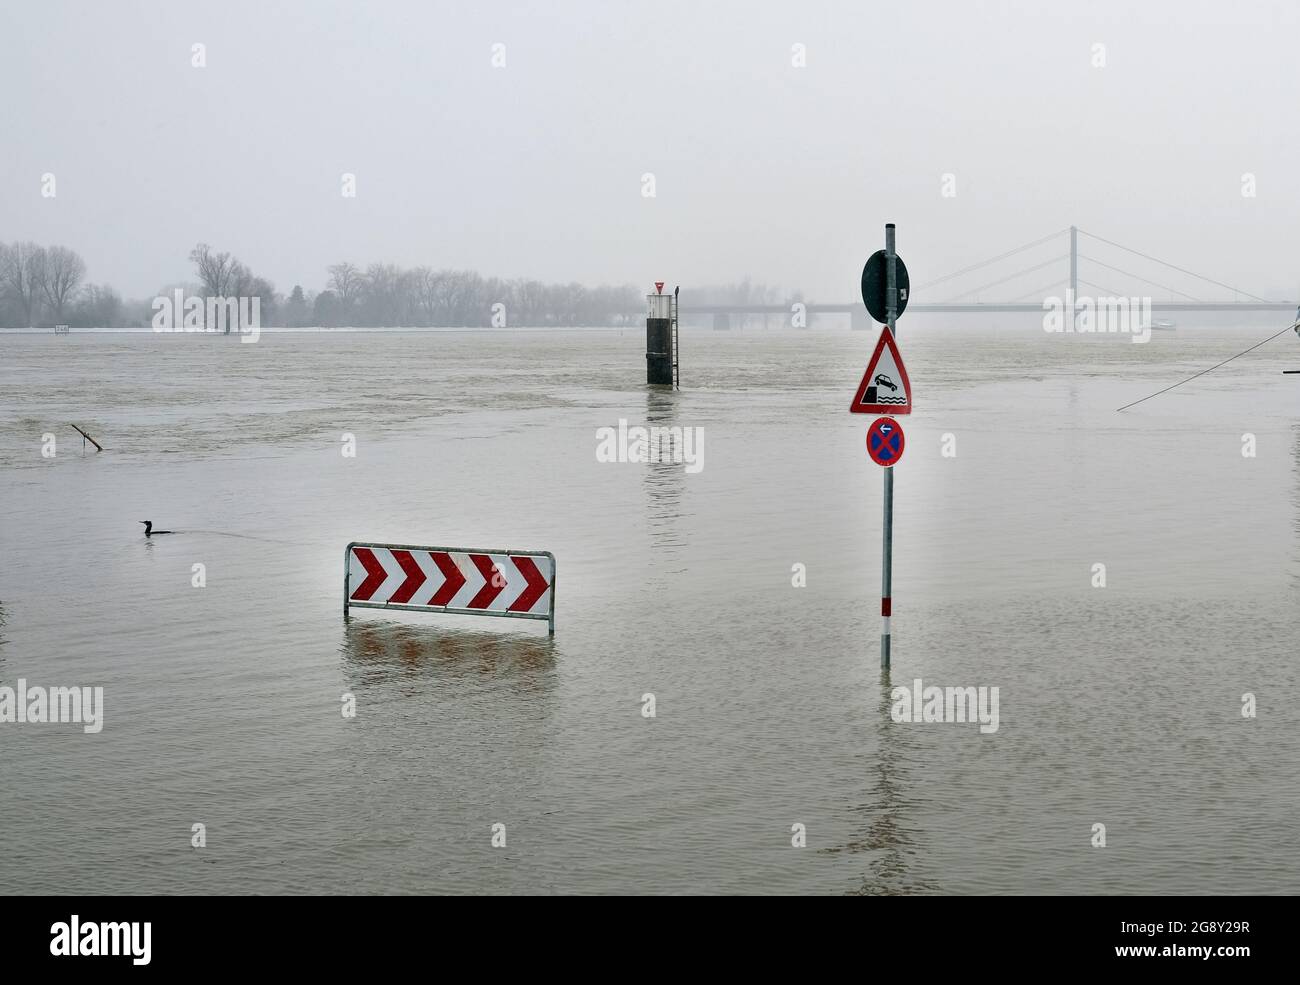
x=1295, y=499
x=664, y=481
x=889, y=838
x=411, y=657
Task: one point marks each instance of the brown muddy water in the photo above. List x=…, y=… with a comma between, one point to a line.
x=1119, y=705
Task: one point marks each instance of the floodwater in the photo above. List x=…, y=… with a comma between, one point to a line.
x=1119, y=705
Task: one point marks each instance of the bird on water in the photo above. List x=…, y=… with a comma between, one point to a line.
x=149, y=531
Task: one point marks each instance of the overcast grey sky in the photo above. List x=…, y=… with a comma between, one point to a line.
x=761, y=168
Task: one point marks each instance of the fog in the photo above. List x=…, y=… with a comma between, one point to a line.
x=529, y=160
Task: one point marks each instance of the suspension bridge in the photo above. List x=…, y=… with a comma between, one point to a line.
x=1069, y=269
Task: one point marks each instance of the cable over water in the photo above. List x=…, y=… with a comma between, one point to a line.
x=1211, y=369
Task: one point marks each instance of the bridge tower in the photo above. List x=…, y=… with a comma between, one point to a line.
x=1074, y=271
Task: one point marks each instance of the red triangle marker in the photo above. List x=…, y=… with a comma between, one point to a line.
x=659, y=287
x=885, y=388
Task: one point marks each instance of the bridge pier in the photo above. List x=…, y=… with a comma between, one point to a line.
x=721, y=321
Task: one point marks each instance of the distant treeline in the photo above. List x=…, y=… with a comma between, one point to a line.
x=44, y=286
x=384, y=294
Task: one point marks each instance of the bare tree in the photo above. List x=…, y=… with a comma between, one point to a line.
x=532, y=302
x=383, y=292
x=224, y=276
x=239, y=281
x=19, y=271
x=243, y=283
x=347, y=283
x=444, y=296
x=215, y=269
x=424, y=294
x=59, y=273
x=262, y=288
x=98, y=305
x=466, y=289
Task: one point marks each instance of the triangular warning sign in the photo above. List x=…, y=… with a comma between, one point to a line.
x=659, y=287
x=885, y=388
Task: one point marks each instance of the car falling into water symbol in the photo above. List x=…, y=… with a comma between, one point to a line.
x=883, y=380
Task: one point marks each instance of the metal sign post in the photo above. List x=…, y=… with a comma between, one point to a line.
x=885, y=389
x=887, y=549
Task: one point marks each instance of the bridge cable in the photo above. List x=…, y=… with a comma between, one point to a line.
x=1040, y=293
x=985, y=263
x=1129, y=273
x=1211, y=369
x=1182, y=270
x=1097, y=287
x=1019, y=273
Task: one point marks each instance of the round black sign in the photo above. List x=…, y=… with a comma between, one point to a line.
x=873, y=286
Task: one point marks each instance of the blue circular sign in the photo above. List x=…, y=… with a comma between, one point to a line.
x=885, y=441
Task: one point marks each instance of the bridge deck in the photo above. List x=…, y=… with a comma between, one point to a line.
x=850, y=308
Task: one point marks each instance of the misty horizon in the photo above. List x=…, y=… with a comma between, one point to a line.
x=515, y=142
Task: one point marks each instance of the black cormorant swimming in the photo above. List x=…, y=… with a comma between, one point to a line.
x=149, y=531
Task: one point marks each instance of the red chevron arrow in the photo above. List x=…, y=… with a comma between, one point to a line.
x=415, y=577
x=489, y=591
x=452, y=574
x=375, y=574
x=536, y=585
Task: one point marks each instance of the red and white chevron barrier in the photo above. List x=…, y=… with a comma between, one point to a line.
x=450, y=579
